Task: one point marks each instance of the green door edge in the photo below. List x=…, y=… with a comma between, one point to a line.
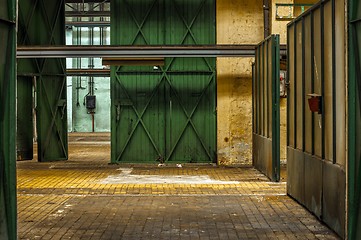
x=354, y=84
x=276, y=108
x=8, y=217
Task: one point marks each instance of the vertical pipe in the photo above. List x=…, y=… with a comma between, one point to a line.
x=266, y=18
x=35, y=132
x=92, y=114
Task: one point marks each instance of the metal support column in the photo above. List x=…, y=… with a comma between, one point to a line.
x=43, y=24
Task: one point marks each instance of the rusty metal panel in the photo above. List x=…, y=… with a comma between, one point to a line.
x=296, y=174
x=263, y=154
x=334, y=192
x=313, y=184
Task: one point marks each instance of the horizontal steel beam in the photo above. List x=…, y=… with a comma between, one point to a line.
x=87, y=13
x=87, y=23
x=86, y=1
x=137, y=51
x=88, y=72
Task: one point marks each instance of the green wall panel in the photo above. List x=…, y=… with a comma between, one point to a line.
x=41, y=23
x=165, y=113
x=8, y=221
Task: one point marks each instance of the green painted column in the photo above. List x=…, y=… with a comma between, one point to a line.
x=7, y=119
x=41, y=23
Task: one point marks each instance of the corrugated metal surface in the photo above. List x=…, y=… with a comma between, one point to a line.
x=316, y=149
x=7, y=120
x=266, y=108
x=354, y=106
x=164, y=113
x=41, y=24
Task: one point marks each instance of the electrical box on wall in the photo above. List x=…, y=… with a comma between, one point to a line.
x=283, y=84
x=315, y=103
x=90, y=102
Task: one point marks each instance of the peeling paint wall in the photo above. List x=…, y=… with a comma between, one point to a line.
x=241, y=22
x=238, y=22
x=280, y=26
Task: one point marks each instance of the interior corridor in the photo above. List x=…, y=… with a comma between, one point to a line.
x=87, y=198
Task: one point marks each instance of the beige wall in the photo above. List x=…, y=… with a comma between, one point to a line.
x=279, y=26
x=240, y=22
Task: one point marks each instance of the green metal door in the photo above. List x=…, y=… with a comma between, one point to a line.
x=266, y=108
x=354, y=121
x=43, y=24
x=7, y=119
x=164, y=113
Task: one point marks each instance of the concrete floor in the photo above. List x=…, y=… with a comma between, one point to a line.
x=86, y=198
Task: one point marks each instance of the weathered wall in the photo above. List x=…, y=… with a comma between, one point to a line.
x=81, y=119
x=241, y=22
x=238, y=22
x=279, y=26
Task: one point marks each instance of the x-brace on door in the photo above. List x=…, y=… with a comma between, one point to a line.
x=165, y=113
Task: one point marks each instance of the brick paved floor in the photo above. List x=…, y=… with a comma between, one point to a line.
x=86, y=198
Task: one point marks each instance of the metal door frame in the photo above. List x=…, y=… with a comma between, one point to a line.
x=354, y=118
x=8, y=208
